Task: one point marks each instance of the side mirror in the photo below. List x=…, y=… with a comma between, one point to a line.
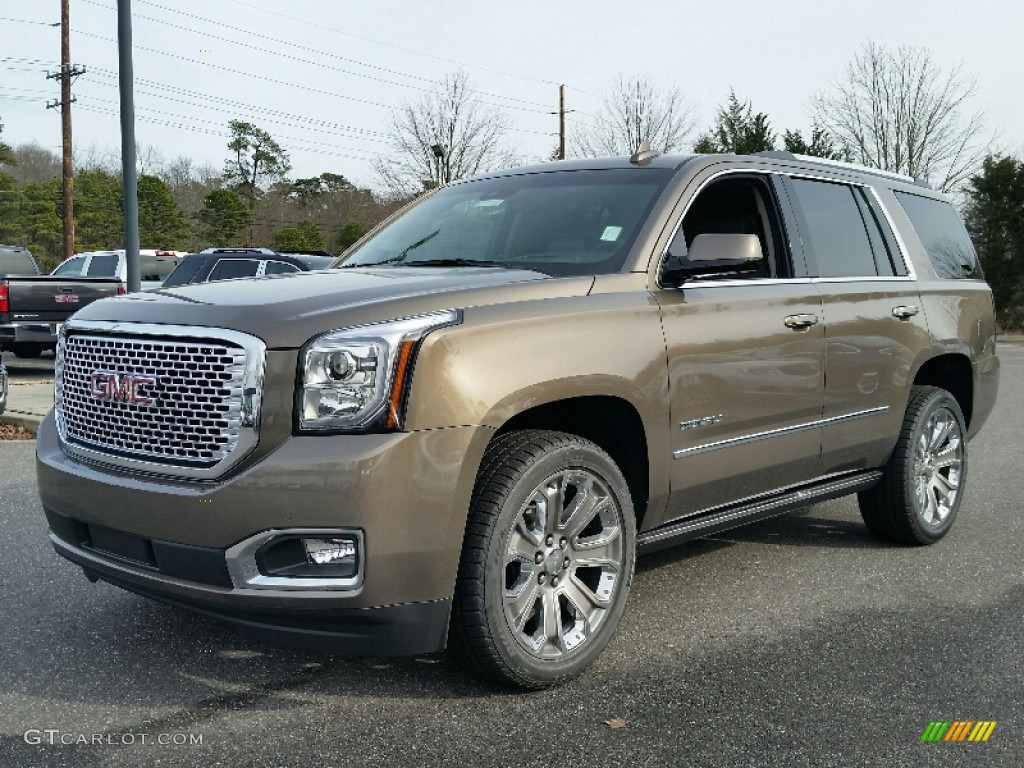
x=711, y=254
x=724, y=250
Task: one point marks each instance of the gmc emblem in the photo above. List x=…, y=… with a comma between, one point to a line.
x=106, y=385
x=66, y=298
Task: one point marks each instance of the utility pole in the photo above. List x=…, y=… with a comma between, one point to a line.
x=66, y=74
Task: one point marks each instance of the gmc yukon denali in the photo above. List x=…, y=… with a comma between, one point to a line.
x=464, y=433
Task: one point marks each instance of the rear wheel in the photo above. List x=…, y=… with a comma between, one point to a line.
x=27, y=350
x=546, y=562
x=922, y=486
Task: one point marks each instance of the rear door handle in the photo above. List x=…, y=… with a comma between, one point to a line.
x=904, y=312
x=800, y=322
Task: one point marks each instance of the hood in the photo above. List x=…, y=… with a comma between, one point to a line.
x=286, y=310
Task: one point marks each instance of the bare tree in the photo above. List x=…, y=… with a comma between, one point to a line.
x=447, y=135
x=634, y=111
x=33, y=164
x=898, y=111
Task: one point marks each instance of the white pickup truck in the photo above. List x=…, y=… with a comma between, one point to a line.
x=154, y=265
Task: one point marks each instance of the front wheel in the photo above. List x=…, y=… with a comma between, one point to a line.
x=547, y=559
x=923, y=483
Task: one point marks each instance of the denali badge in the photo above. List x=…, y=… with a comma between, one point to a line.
x=106, y=385
x=705, y=421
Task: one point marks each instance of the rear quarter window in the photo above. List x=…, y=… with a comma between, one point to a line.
x=943, y=235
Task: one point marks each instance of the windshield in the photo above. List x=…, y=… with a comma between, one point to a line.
x=560, y=223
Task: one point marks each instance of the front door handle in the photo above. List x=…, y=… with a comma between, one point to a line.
x=800, y=322
x=904, y=312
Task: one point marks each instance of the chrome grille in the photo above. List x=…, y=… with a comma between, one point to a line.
x=196, y=415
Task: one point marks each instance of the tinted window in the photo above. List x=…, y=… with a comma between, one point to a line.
x=228, y=269
x=103, y=265
x=835, y=228
x=279, y=268
x=16, y=263
x=156, y=268
x=559, y=223
x=943, y=235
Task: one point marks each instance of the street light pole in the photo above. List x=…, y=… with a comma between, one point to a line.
x=130, y=189
x=441, y=158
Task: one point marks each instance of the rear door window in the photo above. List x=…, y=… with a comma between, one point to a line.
x=229, y=269
x=835, y=228
x=279, y=268
x=103, y=265
x=943, y=235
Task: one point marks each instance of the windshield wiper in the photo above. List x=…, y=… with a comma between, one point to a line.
x=394, y=259
x=454, y=263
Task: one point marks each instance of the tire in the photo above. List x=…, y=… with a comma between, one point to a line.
x=539, y=595
x=27, y=351
x=923, y=482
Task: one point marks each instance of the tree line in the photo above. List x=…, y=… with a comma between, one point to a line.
x=183, y=206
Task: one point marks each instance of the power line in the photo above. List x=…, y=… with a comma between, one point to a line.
x=230, y=106
x=392, y=45
x=215, y=122
x=318, y=64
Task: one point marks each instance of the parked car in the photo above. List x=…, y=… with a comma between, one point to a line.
x=154, y=265
x=232, y=263
x=3, y=388
x=33, y=306
x=464, y=434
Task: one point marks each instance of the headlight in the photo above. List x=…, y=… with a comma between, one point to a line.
x=355, y=378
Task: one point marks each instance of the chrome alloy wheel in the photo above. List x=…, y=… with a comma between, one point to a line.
x=563, y=564
x=938, y=466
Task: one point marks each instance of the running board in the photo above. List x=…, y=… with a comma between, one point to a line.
x=722, y=519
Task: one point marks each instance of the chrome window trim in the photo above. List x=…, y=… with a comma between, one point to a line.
x=245, y=574
x=756, y=436
x=866, y=279
x=248, y=437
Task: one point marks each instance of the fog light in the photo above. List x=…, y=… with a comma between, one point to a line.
x=329, y=551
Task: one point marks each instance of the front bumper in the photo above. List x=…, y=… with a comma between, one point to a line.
x=408, y=494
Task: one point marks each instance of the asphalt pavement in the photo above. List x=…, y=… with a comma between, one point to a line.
x=800, y=641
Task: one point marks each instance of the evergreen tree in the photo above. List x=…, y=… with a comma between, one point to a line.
x=995, y=218
x=737, y=130
x=161, y=224
x=223, y=216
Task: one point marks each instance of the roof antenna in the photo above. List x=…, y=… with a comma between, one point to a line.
x=644, y=154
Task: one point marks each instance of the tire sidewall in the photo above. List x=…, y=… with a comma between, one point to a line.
x=525, y=666
x=936, y=400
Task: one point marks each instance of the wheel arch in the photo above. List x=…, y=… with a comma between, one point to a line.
x=611, y=422
x=953, y=373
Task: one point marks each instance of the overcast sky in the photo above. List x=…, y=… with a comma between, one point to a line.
x=322, y=75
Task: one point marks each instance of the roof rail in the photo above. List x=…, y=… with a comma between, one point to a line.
x=782, y=155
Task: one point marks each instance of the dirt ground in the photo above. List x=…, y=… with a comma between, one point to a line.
x=11, y=432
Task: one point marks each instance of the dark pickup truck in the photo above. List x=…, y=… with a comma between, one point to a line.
x=33, y=306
